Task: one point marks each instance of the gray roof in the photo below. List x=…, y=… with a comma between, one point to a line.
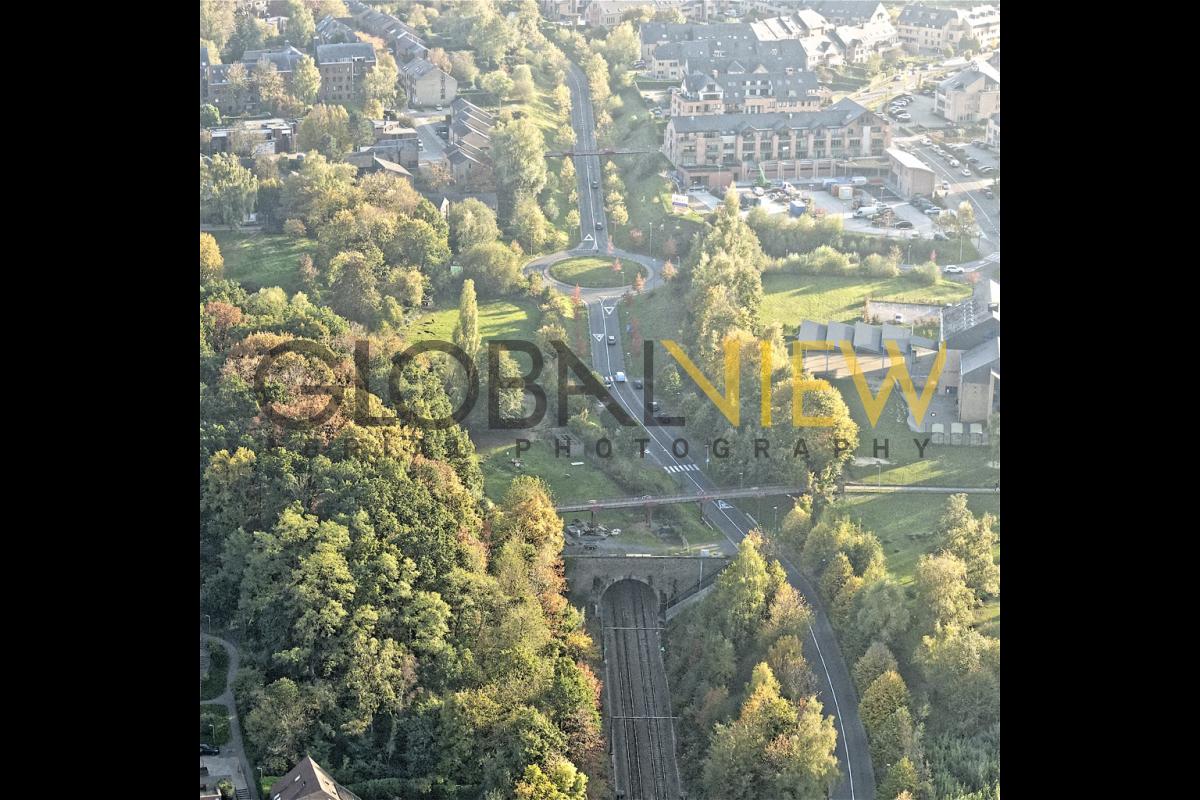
x=966, y=324
x=285, y=60
x=922, y=342
x=867, y=337
x=838, y=332
x=975, y=73
x=908, y=160
x=851, y=10
x=812, y=332
x=837, y=115
x=980, y=361
x=418, y=67
x=928, y=16
x=331, y=53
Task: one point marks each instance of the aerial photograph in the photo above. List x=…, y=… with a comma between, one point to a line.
x=599, y=399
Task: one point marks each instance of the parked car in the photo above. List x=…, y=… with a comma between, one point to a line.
x=972, y=160
x=904, y=116
x=966, y=172
x=945, y=186
x=209, y=750
x=903, y=224
x=612, y=340
x=955, y=163
x=986, y=170
x=938, y=236
x=952, y=269
x=925, y=140
x=989, y=194
x=897, y=319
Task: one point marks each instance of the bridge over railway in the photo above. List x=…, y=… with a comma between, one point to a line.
x=672, y=579
x=761, y=491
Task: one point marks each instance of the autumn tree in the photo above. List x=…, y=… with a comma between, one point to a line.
x=943, y=597
x=971, y=539
x=227, y=189
x=211, y=261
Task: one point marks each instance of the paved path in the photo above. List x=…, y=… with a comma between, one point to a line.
x=235, y=745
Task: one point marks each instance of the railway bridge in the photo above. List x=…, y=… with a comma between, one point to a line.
x=673, y=579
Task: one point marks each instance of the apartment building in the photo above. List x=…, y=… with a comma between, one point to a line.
x=426, y=85
x=343, y=68
x=331, y=30
x=934, y=28
x=993, y=131
x=973, y=94
x=718, y=149
x=734, y=89
x=610, y=13
x=233, y=98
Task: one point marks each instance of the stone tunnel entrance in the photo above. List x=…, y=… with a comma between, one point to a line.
x=673, y=579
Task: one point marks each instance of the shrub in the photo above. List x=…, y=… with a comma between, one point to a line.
x=878, y=266
x=294, y=227
x=925, y=275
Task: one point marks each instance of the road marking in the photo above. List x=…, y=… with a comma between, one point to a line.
x=992, y=257
x=598, y=336
x=589, y=238
x=828, y=678
x=608, y=309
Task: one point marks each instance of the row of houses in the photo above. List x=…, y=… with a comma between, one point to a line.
x=933, y=28
x=609, y=13
x=342, y=66
x=718, y=149
x=470, y=134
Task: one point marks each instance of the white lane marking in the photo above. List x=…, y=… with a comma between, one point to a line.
x=828, y=678
x=598, y=336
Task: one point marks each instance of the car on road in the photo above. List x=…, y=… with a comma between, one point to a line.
x=955, y=163
x=945, y=186
x=612, y=340
x=925, y=140
x=989, y=194
x=599, y=226
x=209, y=750
x=903, y=224
x=966, y=172
x=637, y=383
x=952, y=269
x=620, y=377
x=986, y=170
x=938, y=236
x=655, y=406
x=595, y=184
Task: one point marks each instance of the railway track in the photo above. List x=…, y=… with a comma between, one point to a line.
x=643, y=732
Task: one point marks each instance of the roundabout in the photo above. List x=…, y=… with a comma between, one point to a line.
x=595, y=272
x=574, y=265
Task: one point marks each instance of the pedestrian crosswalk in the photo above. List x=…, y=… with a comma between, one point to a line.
x=992, y=257
x=674, y=468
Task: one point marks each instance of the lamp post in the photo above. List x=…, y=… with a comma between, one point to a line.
x=741, y=483
x=775, y=524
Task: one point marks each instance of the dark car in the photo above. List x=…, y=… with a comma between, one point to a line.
x=209, y=750
x=599, y=226
x=637, y=383
x=595, y=184
x=938, y=236
x=904, y=224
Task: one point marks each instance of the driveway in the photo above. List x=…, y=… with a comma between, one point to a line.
x=232, y=760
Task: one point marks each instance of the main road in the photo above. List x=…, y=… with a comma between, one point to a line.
x=837, y=690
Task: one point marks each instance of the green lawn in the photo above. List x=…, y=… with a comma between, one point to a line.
x=214, y=724
x=596, y=273
x=498, y=319
x=659, y=315
x=790, y=299
x=567, y=483
x=218, y=670
x=257, y=260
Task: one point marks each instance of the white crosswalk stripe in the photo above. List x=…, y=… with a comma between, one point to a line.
x=993, y=257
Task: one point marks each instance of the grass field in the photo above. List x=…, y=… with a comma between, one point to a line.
x=790, y=299
x=659, y=315
x=257, y=260
x=567, y=483
x=596, y=273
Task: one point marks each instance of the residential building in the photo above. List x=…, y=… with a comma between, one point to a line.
x=331, y=30
x=908, y=174
x=609, y=13
x=406, y=47
x=717, y=149
x=229, y=98
x=993, y=131
x=426, y=84
x=470, y=148
x=849, y=12
x=973, y=94
x=343, y=68
x=562, y=9
x=403, y=39
x=934, y=28
x=309, y=781
x=736, y=90
x=860, y=42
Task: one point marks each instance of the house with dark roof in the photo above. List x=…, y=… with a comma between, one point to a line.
x=331, y=30
x=231, y=98
x=737, y=89
x=933, y=28
x=715, y=150
x=343, y=68
x=972, y=94
x=309, y=781
x=426, y=84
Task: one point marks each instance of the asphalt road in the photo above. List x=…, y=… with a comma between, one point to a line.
x=837, y=690
x=639, y=703
x=837, y=693
x=587, y=168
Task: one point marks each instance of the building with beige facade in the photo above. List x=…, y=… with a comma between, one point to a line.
x=716, y=150
x=929, y=28
x=735, y=89
x=971, y=95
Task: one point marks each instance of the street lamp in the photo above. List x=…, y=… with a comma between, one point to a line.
x=213, y=727
x=741, y=484
x=775, y=524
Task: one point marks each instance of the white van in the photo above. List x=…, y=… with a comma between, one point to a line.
x=619, y=377
x=859, y=180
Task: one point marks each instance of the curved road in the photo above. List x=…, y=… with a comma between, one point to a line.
x=235, y=745
x=837, y=690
